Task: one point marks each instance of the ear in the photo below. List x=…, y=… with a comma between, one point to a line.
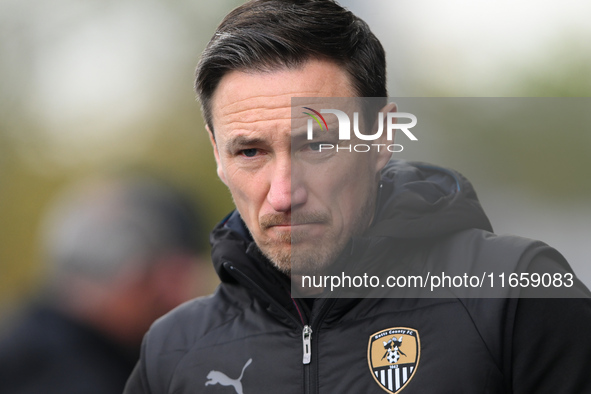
x=216, y=154
x=384, y=155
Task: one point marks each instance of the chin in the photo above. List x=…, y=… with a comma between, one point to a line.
x=303, y=258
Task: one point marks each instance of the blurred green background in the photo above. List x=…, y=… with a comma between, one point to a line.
x=104, y=86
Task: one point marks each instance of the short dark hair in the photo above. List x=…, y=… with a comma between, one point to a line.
x=264, y=35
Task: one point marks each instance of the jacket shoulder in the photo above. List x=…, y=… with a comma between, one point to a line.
x=173, y=335
x=477, y=251
x=491, y=257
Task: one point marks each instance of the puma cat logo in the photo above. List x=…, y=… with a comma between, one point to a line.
x=217, y=377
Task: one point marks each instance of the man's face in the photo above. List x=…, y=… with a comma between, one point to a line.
x=300, y=205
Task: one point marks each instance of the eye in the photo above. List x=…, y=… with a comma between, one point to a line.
x=315, y=146
x=249, y=152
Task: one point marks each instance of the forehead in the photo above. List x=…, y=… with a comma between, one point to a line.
x=244, y=99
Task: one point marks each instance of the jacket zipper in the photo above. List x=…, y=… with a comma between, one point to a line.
x=311, y=368
x=306, y=331
x=307, y=342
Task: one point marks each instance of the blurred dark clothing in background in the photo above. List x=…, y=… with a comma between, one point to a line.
x=51, y=353
x=120, y=253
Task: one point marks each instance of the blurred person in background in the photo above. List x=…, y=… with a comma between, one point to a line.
x=120, y=254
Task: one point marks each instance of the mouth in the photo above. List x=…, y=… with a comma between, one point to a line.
x=288, y=222
x=289, y=226
x=297, y=224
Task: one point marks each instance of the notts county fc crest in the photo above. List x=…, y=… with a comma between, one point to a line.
x=393, y=356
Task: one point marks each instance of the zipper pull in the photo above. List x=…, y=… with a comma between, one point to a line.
x=307, y=338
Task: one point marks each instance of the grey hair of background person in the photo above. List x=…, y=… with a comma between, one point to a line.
x=98, y=228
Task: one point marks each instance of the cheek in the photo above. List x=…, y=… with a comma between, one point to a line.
x=236, y=182
x=350, y=186
x=248, y=194
x=352, y=174
x=242, y=191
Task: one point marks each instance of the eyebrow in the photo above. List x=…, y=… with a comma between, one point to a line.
x=240, y=142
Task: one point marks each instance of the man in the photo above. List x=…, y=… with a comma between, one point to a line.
x=302, y=210
x=120, y=254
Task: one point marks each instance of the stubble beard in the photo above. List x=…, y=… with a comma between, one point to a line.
x=291, y=254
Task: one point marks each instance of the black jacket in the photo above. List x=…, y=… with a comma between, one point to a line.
x=252, y=337
x=48, y=352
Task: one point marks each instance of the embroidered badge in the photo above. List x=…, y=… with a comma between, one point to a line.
x=393, y=357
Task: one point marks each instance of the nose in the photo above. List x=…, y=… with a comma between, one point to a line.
x=285, y=191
